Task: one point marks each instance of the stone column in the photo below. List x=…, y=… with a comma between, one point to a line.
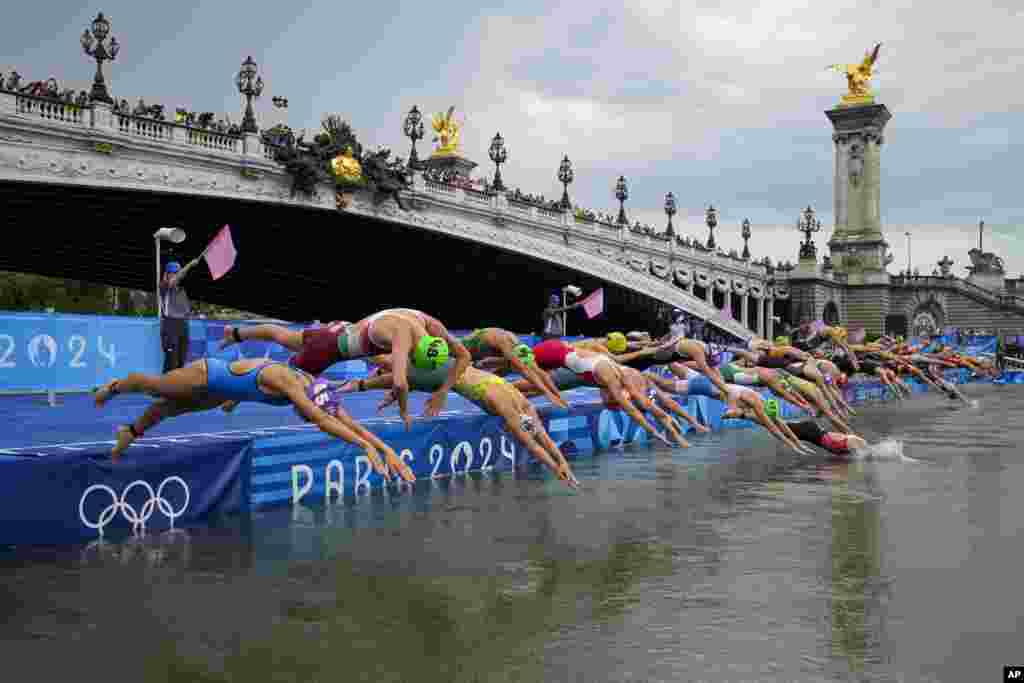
x=759, y=322
x=858, y=246
x=252, y=146
x=769, y=324
x=8, y=102
x=103, y=117
x=744, y=311
x=709, y=291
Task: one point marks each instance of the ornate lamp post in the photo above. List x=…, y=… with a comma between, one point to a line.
x=565, y=176
x=711, y=220
x=670, y=210
x=413, y=129
x=498, y=155
x=250, y=85
x=808, y=225
x=745, y=233
x=622, y=194
x=95, y=46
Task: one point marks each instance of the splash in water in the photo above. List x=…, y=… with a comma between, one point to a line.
x=888, y=449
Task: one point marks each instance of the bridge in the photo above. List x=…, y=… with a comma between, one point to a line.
x=85, y=186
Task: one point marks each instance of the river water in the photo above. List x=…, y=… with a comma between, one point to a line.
x=729, y=561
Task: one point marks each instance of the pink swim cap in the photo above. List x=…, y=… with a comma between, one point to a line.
x=551, y=354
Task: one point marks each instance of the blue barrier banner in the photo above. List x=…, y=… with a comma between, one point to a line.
x=72, y=498
x=64, y=352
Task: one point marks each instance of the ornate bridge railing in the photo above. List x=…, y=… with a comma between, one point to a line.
x=1006, y=301
x=158, y=156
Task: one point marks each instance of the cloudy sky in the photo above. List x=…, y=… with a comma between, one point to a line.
x=719, y=102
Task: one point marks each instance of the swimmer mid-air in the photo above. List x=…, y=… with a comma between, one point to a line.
x=403, y=332
x=209, y=382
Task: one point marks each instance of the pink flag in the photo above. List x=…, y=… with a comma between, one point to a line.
x=220, y=254
x=594, y=303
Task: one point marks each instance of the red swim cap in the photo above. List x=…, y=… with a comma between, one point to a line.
x=835, y=442
x=551, y=354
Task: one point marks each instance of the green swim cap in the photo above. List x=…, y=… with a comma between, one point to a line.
x=431, y=353
x=771, y=408
x=616, y=342
x=524, y=353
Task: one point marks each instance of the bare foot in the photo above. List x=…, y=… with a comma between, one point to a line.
x=104, y=393
x=125, y=438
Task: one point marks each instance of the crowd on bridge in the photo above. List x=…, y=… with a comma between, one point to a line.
x=645, y=377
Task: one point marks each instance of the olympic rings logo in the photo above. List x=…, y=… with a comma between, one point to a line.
x=137, y=518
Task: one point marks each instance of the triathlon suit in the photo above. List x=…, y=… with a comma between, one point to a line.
x=554, y=353
x=478, y=348
x=697, y=384
x=359, y=341
x=775, y=359
x=712, y=353
x=320, y=348
x=733, y=374
x=811, y=431
x=432, y=380
x=663, y=356
x=223, y=383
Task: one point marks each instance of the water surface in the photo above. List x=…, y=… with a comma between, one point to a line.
x=729, y=561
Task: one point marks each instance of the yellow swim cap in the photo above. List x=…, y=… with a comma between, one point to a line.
x=616, y=342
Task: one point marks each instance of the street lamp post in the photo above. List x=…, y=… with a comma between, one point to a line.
x=808, y=225
x=908, y=253
x=174, y=236
x=670, y=210
x=565, y=176
x=413, y=129
x=745, y=233
x=498, y=155
x=95, y=45
x=622, y=194
x=711, y=219
x=250, y=85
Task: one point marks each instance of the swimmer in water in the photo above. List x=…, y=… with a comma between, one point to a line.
x=494, y=396
x=403, y=332
x=572, y=368
x=836, y=443
x=744, y=375
x=207, y=383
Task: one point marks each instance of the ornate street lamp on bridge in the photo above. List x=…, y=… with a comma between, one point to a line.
x=711, y=220
x=670, y=210
x=565, y=176
x=745, y=234
x=622, y=194
x=498, y=155
x=250, y=85
x=413, y=129
x=95, y=45
x=808, y=225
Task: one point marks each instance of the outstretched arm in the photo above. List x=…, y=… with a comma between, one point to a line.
x=180, y=275
x=463, y=359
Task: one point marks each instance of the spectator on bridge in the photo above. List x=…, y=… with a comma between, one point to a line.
x=176, y=307
x=680, y=325
x=553, y=327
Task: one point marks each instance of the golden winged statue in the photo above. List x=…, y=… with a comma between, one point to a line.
x=858, y=77
x=447, y=129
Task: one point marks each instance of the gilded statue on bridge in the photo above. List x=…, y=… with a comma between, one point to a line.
x=447, y=129
x=858, y=77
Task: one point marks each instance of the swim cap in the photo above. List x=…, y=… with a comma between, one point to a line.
x=431, y=353
x=616, y=342
x=551, y=354
x=843, y=379
x=525, y=354
x=782, y=341
x=173, y=267
x=771, y=408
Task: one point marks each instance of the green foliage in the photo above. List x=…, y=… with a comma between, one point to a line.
x=25, y=292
